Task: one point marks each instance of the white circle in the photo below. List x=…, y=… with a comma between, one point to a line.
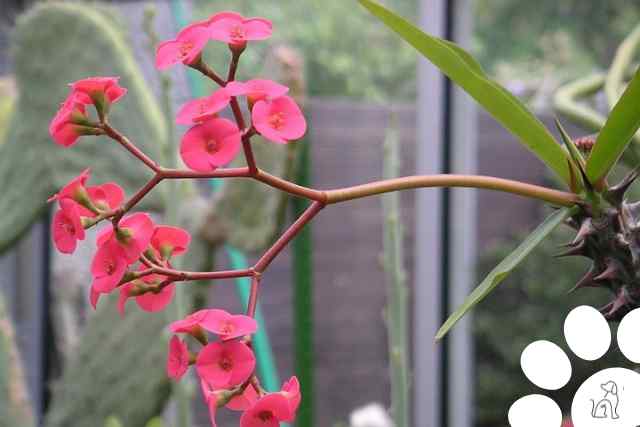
x=628, y=336
x=587, y=333
x=535, y=410
x=609, y=398
x=546, y=365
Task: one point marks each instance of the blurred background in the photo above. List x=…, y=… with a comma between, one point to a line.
x=342, y=295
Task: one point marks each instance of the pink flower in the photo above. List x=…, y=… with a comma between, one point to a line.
x=291, y=390
x=66, y=227
x=99, y=90
x=211, y=398
x=178, y=360
x=220, y=322
x=233, y=28
x=70, y=122
x=279, y=120
x=210, y=145
x=94, y=297
x=151, y=301
x=170, y=241
x=244, y=401
x=104, y=197
x=185, y=48
x=257, y=89
x=74, y=189
x=198, y=110
x=228, y=326
x=267, y=412
x=134, y=235
x=190, y=324
x=108, y=267
x=225, y=364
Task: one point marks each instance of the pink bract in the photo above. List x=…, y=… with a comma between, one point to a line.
x=108, y=267
x=244, y=401
x=211, y=399
x=209, y=145
x=267, y=412
x=291, y=390
x=225, y=364
x=150, y=301
x=228, y=326
x=65, y=128
x=198, y=110
x=280, y=120
x=105, y=197
x=66, y=227
x=190, y=324
x=74, y=189
x=178, y=359
x=97, y=88
x=138, y=227
x=257, y=89
x=233, y=28
x=170, y=241
x=185, y=48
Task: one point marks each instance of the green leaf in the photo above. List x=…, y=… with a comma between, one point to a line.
x=615, y=136
x=459, y=66
x=505, y=267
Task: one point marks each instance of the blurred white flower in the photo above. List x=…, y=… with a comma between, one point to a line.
x=371, y=415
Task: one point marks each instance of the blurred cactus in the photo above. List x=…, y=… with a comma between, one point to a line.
x=397, y=308
x=569, y=99
x=115, y=422
x=54, y=44
x=7, y=99
x=15, y=410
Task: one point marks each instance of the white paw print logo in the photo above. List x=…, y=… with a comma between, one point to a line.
x=609, y=398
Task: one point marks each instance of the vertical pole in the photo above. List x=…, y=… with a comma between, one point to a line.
x=31, y=269
x=303, y=298
x=462, y=242
x=428, y=311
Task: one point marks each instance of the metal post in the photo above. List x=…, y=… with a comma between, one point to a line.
x=462, y=241
x=445, y=247
x=427, y=360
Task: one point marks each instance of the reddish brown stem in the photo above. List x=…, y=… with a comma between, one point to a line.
x=208, y=71
x=129, y=146
x=284, y=240
x=218, y=173
x=183, y=276
x=253, y=296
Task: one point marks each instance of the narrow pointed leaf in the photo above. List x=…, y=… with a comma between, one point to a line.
x=464, y=70
x=615, y=136
x=505, y=267
x=577, y=161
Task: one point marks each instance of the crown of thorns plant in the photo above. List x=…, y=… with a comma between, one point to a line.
x=134, y=255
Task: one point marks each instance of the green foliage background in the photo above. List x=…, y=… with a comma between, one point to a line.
x=346, y=52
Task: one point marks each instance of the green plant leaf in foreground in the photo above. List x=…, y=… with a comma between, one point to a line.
x=505, y=267
x=622, y=124
x=459, y=66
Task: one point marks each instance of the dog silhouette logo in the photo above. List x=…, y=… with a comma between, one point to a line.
x=607, y=407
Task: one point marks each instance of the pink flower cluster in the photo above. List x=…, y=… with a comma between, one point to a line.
x=71, y=121
x=225, y=368
x=213, y=142
x=134, y=254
